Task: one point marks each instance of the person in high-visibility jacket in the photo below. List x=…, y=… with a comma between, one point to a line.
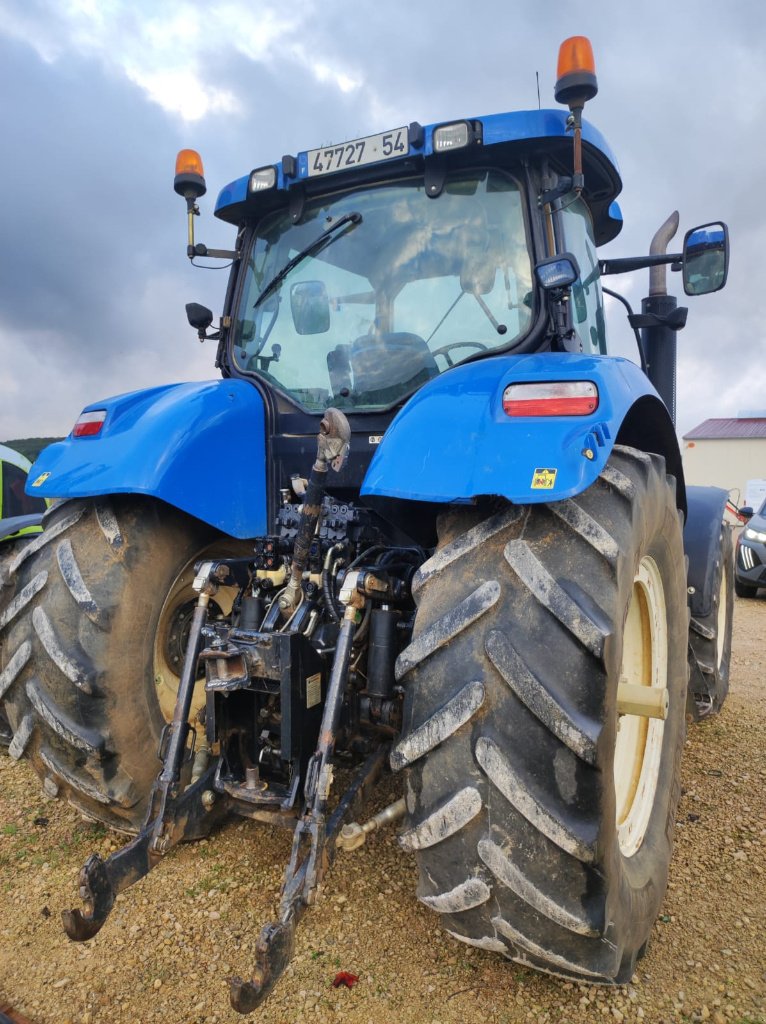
x=14, y=501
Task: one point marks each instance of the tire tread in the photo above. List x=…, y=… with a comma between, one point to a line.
x=532, y=753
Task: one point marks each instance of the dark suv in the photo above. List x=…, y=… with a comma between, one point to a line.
x=750, y=572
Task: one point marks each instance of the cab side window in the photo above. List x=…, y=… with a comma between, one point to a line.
x=587, y=300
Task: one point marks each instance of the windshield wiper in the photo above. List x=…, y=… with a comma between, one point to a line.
x=311, y=250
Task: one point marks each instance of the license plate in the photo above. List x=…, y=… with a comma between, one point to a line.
x=387, y=146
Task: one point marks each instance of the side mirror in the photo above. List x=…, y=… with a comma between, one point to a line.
x=198, y=316
x=310, y=307
x=201, y=318
x=478, y=277
x=746, y=512
x=706, y=258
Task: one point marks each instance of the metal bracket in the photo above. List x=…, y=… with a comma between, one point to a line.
x=435, y=175
x=676, y=320
x=313, y=852
x=354, y=835
x=172, y=815
x=101, y=880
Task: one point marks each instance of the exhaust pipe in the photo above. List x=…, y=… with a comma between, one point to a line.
x=659, y=338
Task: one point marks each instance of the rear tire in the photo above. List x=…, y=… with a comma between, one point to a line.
x=79, y=674
x=542, y=829
x=710, y=635
x=8, y=551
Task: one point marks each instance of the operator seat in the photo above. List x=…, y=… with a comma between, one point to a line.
x=385, y=366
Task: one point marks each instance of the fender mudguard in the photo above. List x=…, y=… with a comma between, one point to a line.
x=702, y=532
x=200, y=447
x=452, y=442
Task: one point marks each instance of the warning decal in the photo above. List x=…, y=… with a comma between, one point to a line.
x=313, y=690
x=543, y=479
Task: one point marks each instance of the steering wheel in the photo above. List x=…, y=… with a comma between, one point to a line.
x=445, y=349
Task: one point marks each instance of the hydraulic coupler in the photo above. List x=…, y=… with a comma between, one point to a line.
x=332, y=449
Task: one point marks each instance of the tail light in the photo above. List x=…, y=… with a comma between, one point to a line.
x=89, y=423
x=551, y=398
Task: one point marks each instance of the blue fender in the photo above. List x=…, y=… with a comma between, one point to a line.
x=702, y=544
x=452, y=442
x=199, y=446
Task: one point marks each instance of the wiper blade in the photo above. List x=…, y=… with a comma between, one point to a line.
x=311, y=250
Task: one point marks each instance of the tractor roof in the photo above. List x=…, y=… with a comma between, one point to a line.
x=502, y=139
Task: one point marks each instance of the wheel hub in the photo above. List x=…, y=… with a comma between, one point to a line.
x=173, y=633
x=177, y=636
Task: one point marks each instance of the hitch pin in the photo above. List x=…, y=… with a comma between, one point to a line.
x=354, y=835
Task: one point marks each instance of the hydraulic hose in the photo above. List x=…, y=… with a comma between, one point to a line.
x=328, y=597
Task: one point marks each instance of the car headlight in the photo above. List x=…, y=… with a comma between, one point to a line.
x=751, y=534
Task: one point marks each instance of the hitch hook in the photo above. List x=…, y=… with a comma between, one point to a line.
x=171, y=814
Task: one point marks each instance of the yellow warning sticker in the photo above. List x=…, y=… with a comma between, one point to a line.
x=543, y=479
x=41, y=480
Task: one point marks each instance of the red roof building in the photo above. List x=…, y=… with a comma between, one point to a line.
x=745, y=427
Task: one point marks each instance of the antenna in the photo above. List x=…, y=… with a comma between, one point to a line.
x=537, y=77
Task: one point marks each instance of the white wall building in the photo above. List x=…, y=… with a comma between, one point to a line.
x=728, y=453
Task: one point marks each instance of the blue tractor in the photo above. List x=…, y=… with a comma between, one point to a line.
x=424, y=522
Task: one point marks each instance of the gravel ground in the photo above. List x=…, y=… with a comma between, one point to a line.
x=173, y=939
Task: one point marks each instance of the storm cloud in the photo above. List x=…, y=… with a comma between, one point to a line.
x=99, y=96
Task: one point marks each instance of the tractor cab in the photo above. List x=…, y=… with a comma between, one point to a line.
x=366, y=270
x=359, y=282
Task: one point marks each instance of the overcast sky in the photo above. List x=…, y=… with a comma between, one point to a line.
x=97, y=96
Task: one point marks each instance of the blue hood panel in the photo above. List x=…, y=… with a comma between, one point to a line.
x=453, y=442
x=200, y=447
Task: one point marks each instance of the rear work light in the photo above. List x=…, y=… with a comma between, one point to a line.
x=262, y=179
x=456, y=135
x=89, y=423
x=551, y=398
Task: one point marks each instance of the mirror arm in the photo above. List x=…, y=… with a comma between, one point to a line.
x=218, y=335
x=628, y=263
x=220, y=254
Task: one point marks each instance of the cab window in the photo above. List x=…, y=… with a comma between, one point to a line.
x=587, y=300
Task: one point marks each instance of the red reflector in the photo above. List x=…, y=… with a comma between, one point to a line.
x=551, y=398
x=89, y=423
x=551, y=407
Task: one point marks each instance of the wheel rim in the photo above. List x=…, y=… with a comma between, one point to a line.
x=638, y=747
x=173, y=630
